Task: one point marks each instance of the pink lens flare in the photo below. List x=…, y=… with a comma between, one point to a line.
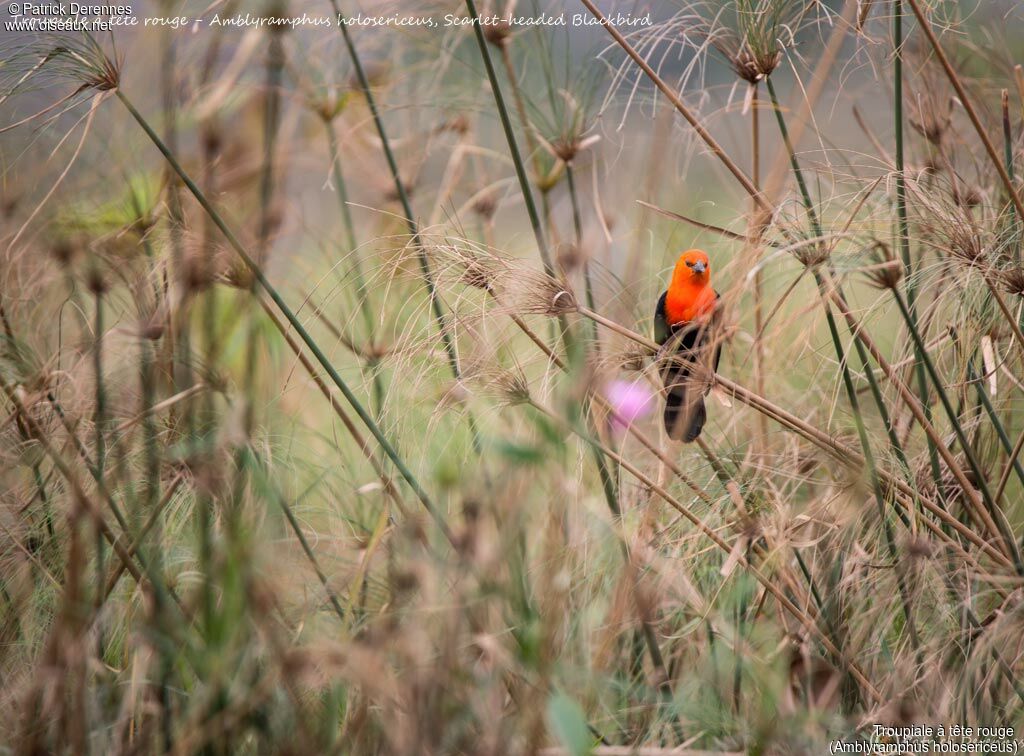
x=629, y=402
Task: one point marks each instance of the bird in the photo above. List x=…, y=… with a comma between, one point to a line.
x=682, y=321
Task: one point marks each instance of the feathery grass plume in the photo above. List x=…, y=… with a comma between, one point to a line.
x=810, y=251
x=60, y=57
x=478, y=274
x=564, y=118
x=951, y=225
x=1013, y=280
x=885, y=271
x=930, y=111
x=532, y=292
x=466, y=262
x=751, y=34
x=509, y=386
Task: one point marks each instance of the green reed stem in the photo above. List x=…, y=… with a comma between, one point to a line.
x=510, y=137
x=44, y=499
x=357, y=266
x=1000, y=429
x=904, y=225
x=1007, y=137
x=876, y=393
x=181, y=346
x=347, y=222
x=100, y=410
x=833, y=329
x=410, y=219
x=801, y=183
x=99, y=423
x=1008, y=159
x=607, y=481
x=152, y=453
x=861, y=352
x=577, y=222
x=603, y=469
x=273, y=68
x=290, y=316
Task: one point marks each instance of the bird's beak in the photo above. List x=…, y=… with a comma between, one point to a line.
x=699, y=267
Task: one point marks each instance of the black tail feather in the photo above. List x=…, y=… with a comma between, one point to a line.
x=684, y=415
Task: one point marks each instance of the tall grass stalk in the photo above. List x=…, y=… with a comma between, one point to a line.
x=903, y=224
x=99, y=429
x=755, y=179
x=843, y=363
x=266, y=482
x=1015, y=219
x=833, y=329
x=891, y=373
x=577, y=223
x=997, y=424
x=510, y=139
x=385, y=479
x=531, y=141
x=607, y=481
x=1010, y=463
x=828, y=284
x=151, y=524
x=909, y=399
x=865, y=443
x=410, y=219
x=268, y=180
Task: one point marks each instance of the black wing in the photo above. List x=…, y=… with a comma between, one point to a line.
x=661, y=329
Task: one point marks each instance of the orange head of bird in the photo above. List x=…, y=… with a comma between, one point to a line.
x=693, y=268
x=690, y=295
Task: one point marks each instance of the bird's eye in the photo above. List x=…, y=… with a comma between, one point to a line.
x=689, y=264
